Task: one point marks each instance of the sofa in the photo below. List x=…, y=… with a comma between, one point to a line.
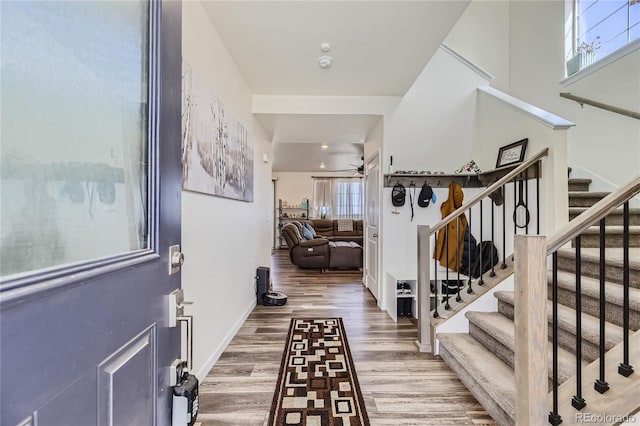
x=330, y=230
x=323, y=251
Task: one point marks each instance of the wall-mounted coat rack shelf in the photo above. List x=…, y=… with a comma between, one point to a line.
x=465, y=180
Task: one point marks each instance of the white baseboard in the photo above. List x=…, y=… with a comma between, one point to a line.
x=215, y=356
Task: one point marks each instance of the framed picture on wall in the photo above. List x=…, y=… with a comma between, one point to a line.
x=512, y=153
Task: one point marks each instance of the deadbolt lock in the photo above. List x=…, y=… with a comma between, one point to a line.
x=176, y=259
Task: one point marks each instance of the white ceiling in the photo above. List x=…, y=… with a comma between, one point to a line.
x=298, y=140
x=378, y=49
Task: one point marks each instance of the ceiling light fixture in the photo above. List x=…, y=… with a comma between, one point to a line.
x=325, y=62
x=322, y=166
x=325, y=47
x=324, y=146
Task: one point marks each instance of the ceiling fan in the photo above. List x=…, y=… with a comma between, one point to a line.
x=358, y=170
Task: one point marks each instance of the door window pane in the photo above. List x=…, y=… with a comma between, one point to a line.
x=73, y=147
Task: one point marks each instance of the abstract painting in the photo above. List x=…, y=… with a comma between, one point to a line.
x=217, y=150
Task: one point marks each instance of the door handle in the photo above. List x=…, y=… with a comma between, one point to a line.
x=374, y=235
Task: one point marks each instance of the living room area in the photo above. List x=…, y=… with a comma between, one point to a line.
x=319, y=216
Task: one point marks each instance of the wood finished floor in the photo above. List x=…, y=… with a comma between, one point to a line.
x=400, y=385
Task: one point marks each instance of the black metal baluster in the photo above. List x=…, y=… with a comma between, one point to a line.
x=435, y=275
x=447, y=306
x=469, y=289
x=515, y=196
x=481, y=280
x=578, y=401
x=625, y=368
x=526, y=198
x=493, y=269
x=538, y=200
x=601, y=385
x=515, y=228
x=458, y=257
x=554, y=418
x=504, y=227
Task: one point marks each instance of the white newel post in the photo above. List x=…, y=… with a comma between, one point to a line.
x=424, y=291
x=531, y=332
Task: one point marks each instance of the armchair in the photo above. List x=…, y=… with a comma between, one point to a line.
x=306, y=253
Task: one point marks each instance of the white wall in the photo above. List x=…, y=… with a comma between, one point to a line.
x=536, y=69
x=500, y=124
x=432, y=129
x=223, y=240
x=482, y=36
x=293, y=186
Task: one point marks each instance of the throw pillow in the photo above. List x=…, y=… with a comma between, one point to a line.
x=306, y=233
x=310, y=228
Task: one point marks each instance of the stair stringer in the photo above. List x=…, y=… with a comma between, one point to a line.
x=458, y=322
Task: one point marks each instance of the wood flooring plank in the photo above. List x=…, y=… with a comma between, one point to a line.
x=400, y=386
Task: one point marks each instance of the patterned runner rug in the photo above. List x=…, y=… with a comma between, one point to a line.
x=317, y=383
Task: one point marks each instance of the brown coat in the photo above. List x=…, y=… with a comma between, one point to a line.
x=455, y=230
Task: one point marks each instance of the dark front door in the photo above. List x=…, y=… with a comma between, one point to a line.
x=90, y=204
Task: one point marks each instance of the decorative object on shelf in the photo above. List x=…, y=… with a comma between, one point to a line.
x=512, y=153
x=470, y=167
x=288, y=212
x=585, y=56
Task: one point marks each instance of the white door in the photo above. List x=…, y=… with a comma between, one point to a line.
x=372, y=246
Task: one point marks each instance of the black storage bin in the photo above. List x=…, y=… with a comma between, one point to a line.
x=262, y=283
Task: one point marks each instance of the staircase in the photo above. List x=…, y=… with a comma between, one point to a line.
x=484, y=358
x=580, y=199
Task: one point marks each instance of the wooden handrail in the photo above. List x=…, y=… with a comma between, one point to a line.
x=599, y=210
x=490, y=189
x=601, y=105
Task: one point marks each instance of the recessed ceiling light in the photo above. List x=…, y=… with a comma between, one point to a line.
x=325, y=47
x=325, y=61
x=324, y=146
x=322, y=166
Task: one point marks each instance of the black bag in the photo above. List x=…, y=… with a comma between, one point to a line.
x=398, y=195
x=469, y=253
x=451, y=286
x=425, y=195
x=486, y=252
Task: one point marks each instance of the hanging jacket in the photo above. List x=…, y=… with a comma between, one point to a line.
x=456, y=230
